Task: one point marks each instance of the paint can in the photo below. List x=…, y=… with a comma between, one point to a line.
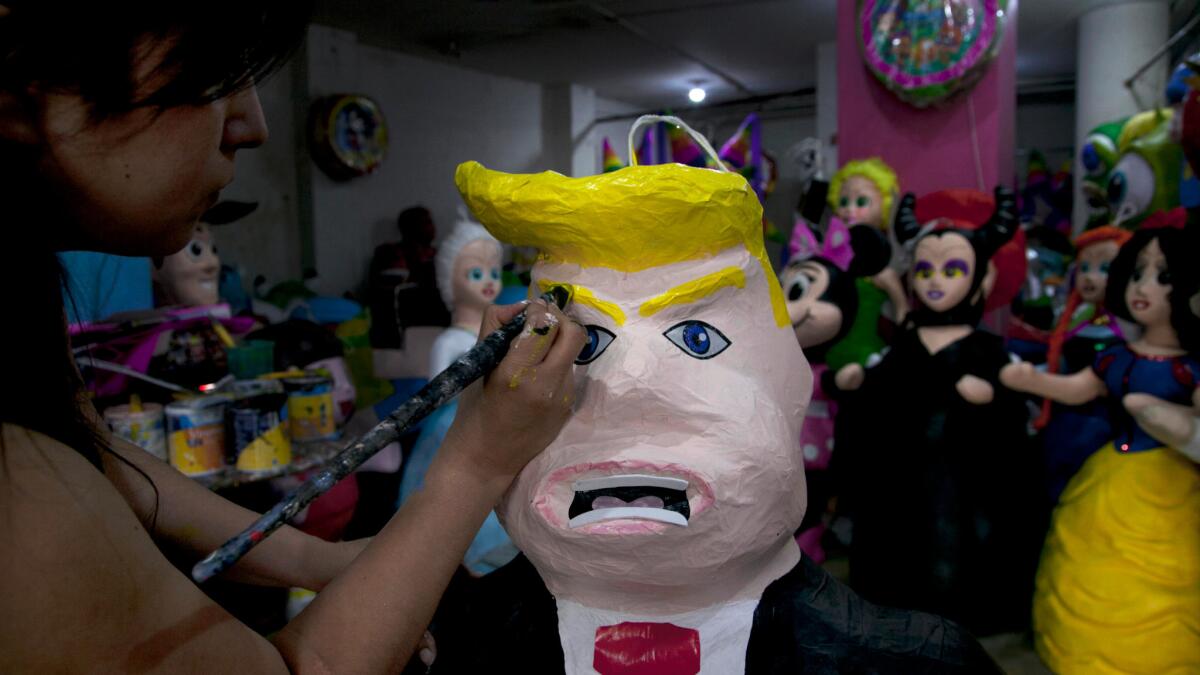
x=143, y=428
x=310, y=408
x=256, y=433
x=196, y=435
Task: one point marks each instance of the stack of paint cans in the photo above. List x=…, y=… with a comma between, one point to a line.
x=250, y=427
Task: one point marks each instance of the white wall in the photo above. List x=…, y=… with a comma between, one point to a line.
x=438, y=116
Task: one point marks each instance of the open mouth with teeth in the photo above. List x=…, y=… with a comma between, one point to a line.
x=631, y=496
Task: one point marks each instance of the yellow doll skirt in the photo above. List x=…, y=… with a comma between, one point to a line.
x=1118, y=587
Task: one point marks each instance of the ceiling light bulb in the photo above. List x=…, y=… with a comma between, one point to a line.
x=696, y=95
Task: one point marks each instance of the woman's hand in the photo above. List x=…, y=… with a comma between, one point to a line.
x=511, y=415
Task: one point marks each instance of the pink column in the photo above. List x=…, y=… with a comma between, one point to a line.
x=930, y=148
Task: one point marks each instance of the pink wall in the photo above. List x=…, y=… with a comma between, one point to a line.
x=929, y=148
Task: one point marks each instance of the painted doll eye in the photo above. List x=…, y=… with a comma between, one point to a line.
x=195, y=249
x=862, y=201
x=1104, y=267
x=843, y=202
x=599, y=338
x=799, y=287
x=1085, y=268
x=476, y=274
x=923, y=270
x=495, y=274
x=697, y=339
x=956, y=268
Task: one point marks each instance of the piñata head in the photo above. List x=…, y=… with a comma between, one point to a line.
x=1147, y=174
x=864, y=191
x=680, y=466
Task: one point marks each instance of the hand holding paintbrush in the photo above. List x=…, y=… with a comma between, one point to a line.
x=531, y=324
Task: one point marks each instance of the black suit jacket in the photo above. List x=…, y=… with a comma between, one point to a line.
x=806, y=622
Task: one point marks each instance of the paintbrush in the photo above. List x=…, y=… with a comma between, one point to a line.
x=482, y=359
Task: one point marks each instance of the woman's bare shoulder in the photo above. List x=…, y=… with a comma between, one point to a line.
x=82, y=585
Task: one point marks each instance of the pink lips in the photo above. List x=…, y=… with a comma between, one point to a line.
x=556, y=491
x=1140, y=305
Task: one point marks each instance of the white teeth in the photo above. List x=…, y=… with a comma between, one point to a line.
x=629, y=480
x=628, y=512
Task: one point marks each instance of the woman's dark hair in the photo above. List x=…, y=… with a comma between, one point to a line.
x=90, y=49
x=1179, y=249
x=215, y=48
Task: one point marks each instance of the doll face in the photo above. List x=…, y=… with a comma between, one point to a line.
x=191, y=277
x=1148, y=294
x=815, y=321
x=681, y=464
x=943, y=269
x=477, y=274
x=1092, y=276
x=860, y=202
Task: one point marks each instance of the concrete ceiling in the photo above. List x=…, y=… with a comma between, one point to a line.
x=648, y=53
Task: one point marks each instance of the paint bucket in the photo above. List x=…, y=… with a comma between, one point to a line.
x=143, y=428
x=256, y=433
x=196, y=435
x=310, y=408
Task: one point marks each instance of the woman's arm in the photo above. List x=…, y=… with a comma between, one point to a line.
x=85, y=587
x=372, y=616
x=1075, y=389
x=190, y=521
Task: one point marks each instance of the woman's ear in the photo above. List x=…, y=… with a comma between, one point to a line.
x=18, y=120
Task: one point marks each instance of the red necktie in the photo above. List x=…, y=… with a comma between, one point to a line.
x=642, y=648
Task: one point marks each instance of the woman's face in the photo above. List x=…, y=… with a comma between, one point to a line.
x=1092, y=277
x=1148, y=293
x=137, y=183
x=943, y=269
x=814, y=320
